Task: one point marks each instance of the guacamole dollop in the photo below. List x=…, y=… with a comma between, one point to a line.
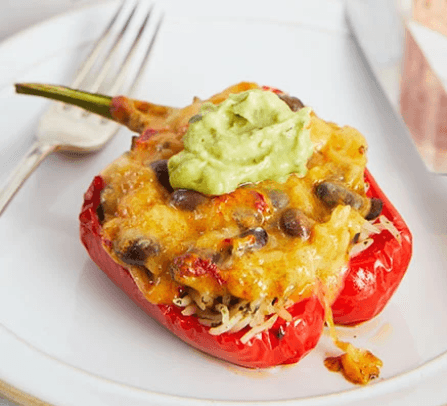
x=249, y=137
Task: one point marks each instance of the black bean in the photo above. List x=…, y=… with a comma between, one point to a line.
x=247, y=217
x=295, y=223
x=186, y=199
x=161, y=171
x=195, y=118
x=294, y=103
x=107, y=203
x=279, y=198
x=356, y=238
x=280, y=333
x=136, y=252
x=332, y=195
x=134, y=142
x=223, y=255
x=261, y=236
x=216, y=258
x=328, y=193
x=375, y=209
x=100, y=213
x=161, y=147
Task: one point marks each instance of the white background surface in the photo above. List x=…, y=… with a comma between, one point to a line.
x=20, y=14
x=85, y=304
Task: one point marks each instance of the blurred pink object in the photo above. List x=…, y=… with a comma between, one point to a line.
x=432, y=14
x=409, y=62
x=423, y=105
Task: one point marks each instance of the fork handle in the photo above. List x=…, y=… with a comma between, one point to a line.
x=35, y=155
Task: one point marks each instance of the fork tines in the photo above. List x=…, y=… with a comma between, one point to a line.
x=119, y=56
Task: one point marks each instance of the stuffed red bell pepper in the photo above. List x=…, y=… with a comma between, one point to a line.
x=247, y=273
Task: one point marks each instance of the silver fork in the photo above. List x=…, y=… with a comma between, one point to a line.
x=69, y=128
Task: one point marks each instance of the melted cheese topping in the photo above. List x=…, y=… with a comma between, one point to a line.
x=214, y=251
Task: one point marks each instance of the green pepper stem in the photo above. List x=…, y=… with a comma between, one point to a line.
x=95, y=103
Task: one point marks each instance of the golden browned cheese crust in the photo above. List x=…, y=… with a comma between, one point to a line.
x=265, y=241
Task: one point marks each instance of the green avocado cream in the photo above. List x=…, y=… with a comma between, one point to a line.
x=250, y=137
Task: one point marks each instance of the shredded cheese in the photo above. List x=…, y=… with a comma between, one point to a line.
x=189, y=310
x=360, y=247
x=389, y=226
x=258, y=329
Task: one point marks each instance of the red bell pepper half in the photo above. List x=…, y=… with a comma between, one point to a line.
x=375, y=273
x=284, y=343
x=372, y=277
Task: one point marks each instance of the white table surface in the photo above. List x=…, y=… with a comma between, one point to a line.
x=18, y=15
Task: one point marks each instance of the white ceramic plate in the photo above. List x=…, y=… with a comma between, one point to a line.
x=69, y=336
